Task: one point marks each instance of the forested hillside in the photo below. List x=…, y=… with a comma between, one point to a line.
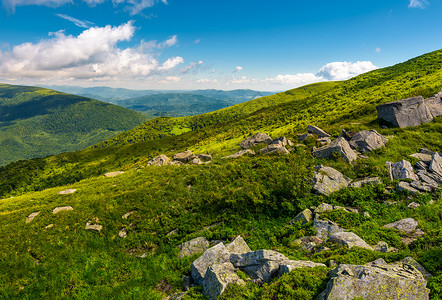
x=36, y=122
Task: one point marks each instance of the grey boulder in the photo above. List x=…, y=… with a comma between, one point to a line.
x=326, y=228
x=240, y=153
x=304, y=216
x=218, y=277
x=372, y=181
x=161, y=160
x=217, y=254
x=407, y=225
x=366, y=141
x=184, y=157
x=288, y=266
x=349, y=239
x=328, y=180
x=259, y=138
x=339, y=147
x=401, y=170
x=318, y=131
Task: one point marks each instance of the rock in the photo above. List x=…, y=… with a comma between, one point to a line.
x=49, y=226
x=184, y=157
x=304, y=216
x=176, y=163
x=324, y=141
x=240, y=153
x=372, y=181
x=68, y=191
x=205, y=157
x=282, y=141
x=161, y=160
x=126, y=215
x=122, y=233
x=196, y=161
x=325, y=228
x=405, y=186
x=308, y=243
x=328, y=180
x=434, y=105
x=215, y=255
x=318, y=131
x=93, y=227
x=411, y=261
x=367, y=141
x=413, y=205
x=218, y=277
x=421, y=186
x=381, y=247
x=192, y=247
x=32, y=216
x=339, y=147
x=405, y=113
x=173, y=232
x=407, y=225
x=348, y=239
x=259, y=138
x=348, y=134
x=421, y=165
x=377, y=262
x=303, y=137
x=274, y=148
x=425, y=178
x=393, y=281
x=62, y=208
x=262, y=273
x=238, y=246
x=323, y=207
x=401, y=170
x=255, y=258
x=113, y=174
x=436, y=164
x=426, y=158
x=288, y=266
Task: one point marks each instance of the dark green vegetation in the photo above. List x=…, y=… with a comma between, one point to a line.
x=36, y=122
x=252, y=196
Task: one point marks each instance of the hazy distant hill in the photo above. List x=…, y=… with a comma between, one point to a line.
x=36, y=122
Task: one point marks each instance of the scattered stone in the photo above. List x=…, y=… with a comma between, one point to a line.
x=349, y=239
x=274, y=148
x=259, y=138
x=93, y=227
x=304, y=216
x=32, y=216
x=326, y=228
x=205, y=157
x=411, y=261
x=371, y=181
x=288, y=266
x=318, y=131
x=240, y=153
x=62, y=208
x=126, y=215
x=323, y=207
x=393, y=281
x=184, y=157
x=176, y=163
x=328, y=180
x=413, y=205
x=216, y=255
x=405, y=186
x=281, y=141
x=196, y=161
x=68, y=191
x=113, y=174
x=339, y=147
x=238, y=246
x=407, y=225
x=406, y=112
x=401, y=170
x=367, y=141
x=161, y=160
x=192, y=247
x=49, y=226
x=436, y=164
x=122, y=233
x=381, y=247
x=217, y=278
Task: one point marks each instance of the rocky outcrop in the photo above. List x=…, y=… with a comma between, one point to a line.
x=407, y=225
x=395, y=281
x=401, y=170
x=366, y=141
x=405, y=186
x=66, y=192
x=259, y=138
x=326, y=228
x=161, y=160
x=328, y=180
x=217, y=278
x=240, y=153
x=404, y=113
x=61, y=208
x=32, y=216
x=192, y=247
x=371, y=181
x=317, y=131
x=113, y=174
x=348, y=239
x=411, y=261
x=337, y=148
x=184, y=157
x=304, y=216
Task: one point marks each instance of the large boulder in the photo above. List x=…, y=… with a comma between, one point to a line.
x=238, y=246
x=348, y=239
x=287, y=266
x=407, y=225
x=366, y=141
x=318, y=131
x=161, y=160
x=197, y=245
x=396, y=281
x=218, y=277
x=328, y=180
x=218, y=254
x=434, y=105
x=406, y=112
x=436, y=164
x=184, y=157
x=304, y=216
x=326, y=228
x=401, y=170
x=259, y=138
x=338, y=147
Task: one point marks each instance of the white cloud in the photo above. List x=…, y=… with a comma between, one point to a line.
x=377, y=50
x=192, y=67
x=11, y=4
x=79, y=23
x=91, y=55
x=135, y=7
x=418, y=4
x=206, y=80
x=296, y=79
x=237, y=69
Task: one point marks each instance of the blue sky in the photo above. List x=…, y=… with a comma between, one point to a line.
x=178, y=44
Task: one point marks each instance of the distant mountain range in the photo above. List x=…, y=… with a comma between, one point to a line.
x=165, y=102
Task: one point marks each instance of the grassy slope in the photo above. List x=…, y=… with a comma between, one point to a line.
x=36, y=122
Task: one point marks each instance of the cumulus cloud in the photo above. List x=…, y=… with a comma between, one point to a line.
x=77, y=22
x=418, y=4
x=91, y=55
x=237, y=69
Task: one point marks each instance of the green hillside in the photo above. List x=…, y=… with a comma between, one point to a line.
x=253, y=196
x=36, y=122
